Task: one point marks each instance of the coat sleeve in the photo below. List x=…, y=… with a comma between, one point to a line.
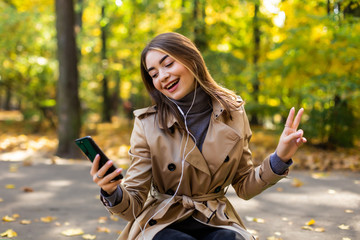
x=137, y=180
x=249, y=181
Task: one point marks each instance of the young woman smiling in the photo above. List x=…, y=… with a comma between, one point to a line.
x=187, y=149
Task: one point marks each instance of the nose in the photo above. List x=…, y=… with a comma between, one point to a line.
x=163, y=74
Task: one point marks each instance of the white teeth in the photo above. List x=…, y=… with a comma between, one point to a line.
x=172, y=84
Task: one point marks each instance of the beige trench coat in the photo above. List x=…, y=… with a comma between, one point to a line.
x=156, y=168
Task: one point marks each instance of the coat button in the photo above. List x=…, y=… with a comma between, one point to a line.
x=227, y=159
x=171, y=167
x=217, y=189
x=170, y=192
x=152, y=222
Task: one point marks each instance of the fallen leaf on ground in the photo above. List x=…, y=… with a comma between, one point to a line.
x=47, y=219
x=8, y=219
x=103, y=229
x=319, y=229
x=114, y=218
x=346, y=238
x=10, y=186
x=102, y=219
x=88, y=237
x=13, y=168
x=27, y=189
x=344, y=227
x=296, y=182
x=253, y=219
x=307, y=228
x=1, y=200
x=319, y=175
x=273, y=238
x=279, y=189
x=25, y=221
x=73, y=232
x=311, y=222
x=349, y=211
x=9, y=233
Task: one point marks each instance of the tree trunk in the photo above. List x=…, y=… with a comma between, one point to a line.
x=68, y=104
x=199, y=28
x=106, y=113
x=256, y=54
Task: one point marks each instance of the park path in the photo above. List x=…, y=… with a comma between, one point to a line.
x=60, y=197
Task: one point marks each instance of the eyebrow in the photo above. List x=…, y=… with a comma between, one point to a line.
x=161, y=60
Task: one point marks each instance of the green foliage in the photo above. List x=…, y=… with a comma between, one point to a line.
x=307, y=56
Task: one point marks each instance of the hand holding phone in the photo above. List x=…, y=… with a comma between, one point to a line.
x=91, y=149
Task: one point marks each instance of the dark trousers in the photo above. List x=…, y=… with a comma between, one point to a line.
x=191, y=229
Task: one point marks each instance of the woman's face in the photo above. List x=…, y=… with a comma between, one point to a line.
x=169, y=77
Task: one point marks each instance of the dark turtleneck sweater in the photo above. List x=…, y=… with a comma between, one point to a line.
x=198, y=118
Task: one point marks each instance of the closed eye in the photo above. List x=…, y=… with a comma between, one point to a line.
x=168, y=65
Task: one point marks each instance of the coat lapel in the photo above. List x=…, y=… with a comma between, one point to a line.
x=195, y=158
x=219, y=141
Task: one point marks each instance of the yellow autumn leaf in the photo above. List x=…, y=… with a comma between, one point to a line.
x=1, y=200
x=319, y=229
x=349, y=211
x=311, y=222
x=13, y=168
x=114, y=218
x=344, y=227
x=47, y=219
x=103, y=229
x=273, y=238
x=102, y=219
x=73, y=232
x=10, y=186
x=296, y=182
x=307, y=228
x=88, y=237
x=25, y=221
x=346, y=238
x=9, y=233
x=8, y=219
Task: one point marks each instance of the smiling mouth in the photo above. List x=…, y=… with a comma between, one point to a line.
x=171, y=85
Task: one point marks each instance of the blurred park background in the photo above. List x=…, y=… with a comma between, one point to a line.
x=71, y=68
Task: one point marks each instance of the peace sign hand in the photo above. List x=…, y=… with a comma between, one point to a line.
x=291, y=138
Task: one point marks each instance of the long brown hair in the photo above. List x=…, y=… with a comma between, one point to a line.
x=184, y=51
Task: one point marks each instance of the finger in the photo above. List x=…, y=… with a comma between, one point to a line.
x=298, y=118
x=103, y=170
x=95, y=165
x=294, y=136
x=289, y=120
x=111, y=176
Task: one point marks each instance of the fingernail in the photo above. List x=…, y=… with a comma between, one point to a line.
x=109, y=162
x=118, y=170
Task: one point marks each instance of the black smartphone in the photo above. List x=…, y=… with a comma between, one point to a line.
x=91, y=149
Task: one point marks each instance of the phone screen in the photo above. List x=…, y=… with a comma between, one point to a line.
x=91, y=149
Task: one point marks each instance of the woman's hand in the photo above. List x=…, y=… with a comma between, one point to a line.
x=105, y=182
x=291, y=138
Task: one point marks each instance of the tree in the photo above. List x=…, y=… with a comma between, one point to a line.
x=68, y=104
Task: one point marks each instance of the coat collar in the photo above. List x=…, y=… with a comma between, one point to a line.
x=219, y=141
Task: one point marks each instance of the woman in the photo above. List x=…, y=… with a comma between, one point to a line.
x=187, y=149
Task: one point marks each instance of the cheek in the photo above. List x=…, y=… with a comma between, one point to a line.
x=156, y=84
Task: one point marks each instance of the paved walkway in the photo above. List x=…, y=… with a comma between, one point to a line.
x=66, y=193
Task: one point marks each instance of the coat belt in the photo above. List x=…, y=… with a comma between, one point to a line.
x=195, y=203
